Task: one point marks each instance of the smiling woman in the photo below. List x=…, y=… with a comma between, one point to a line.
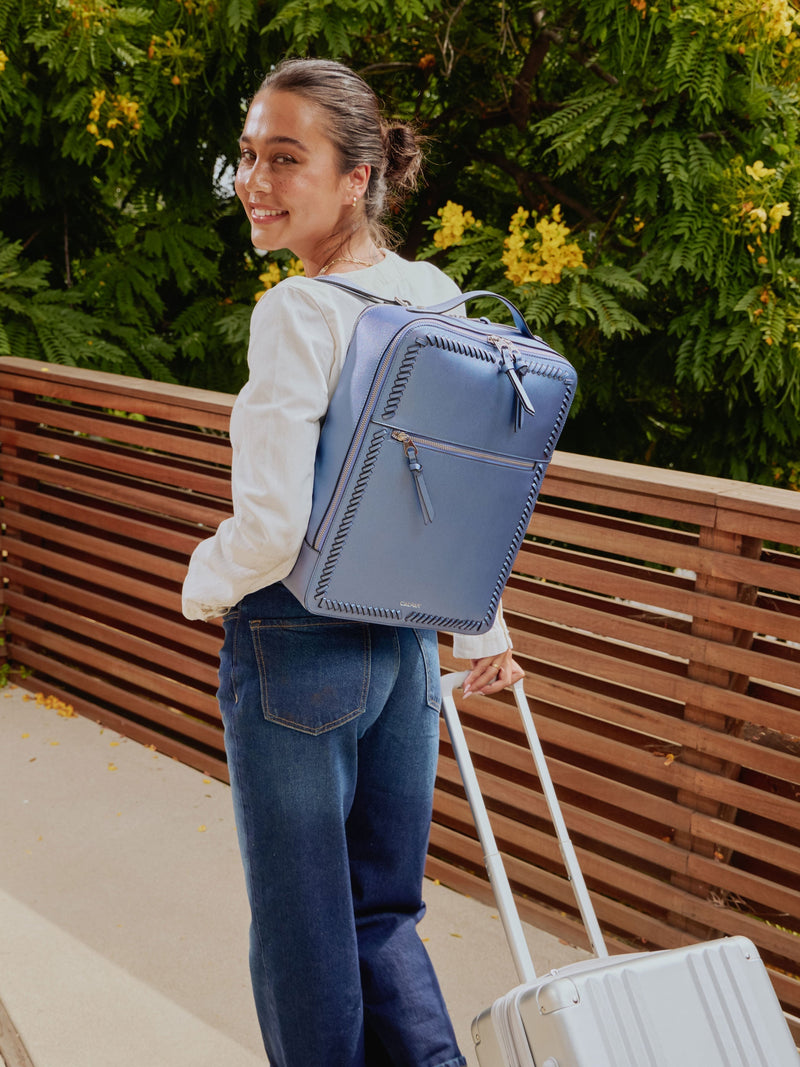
x=289, y=183
x=312, y=174
x=331, y=727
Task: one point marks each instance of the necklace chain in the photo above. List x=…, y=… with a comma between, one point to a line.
x=344, y=259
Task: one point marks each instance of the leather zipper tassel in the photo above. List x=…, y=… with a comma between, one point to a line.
x=424, y=497
x=508, y=365
x=522, y=402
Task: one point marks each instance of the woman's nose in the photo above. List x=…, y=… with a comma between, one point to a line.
x=258, y=180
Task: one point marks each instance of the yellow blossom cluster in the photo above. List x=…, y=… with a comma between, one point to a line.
x=757, y=217
x=178, y=53
x=763, y=24
x=772, y=19
x=755, y=209
x=551, y=252
x=454, y=221
x=118, y=110
x=3, y=60
x=275, y=273
x=89, y=13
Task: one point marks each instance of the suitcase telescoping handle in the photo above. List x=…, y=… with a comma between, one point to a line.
x=492, y=858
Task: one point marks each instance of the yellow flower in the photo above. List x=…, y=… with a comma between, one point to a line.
x=98, y=99
x=776, y=213
x=3, y=61
x=295, y=269
x=270, y=277
x=92, y=128
x=551, y=254
x=759, y=217
x=454, y=221
x=759, y=171
x=106, y=142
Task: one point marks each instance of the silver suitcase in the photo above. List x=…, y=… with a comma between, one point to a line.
x=704, y=1005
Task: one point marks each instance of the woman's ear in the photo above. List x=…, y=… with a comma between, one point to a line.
x=357, y=181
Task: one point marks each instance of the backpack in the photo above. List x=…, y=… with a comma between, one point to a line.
x=429, y=464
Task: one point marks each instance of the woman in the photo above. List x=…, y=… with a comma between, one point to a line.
x=331, y=727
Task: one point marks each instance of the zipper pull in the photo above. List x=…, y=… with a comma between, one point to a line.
x=520, y=406
x=508, y=365
x=414, y=465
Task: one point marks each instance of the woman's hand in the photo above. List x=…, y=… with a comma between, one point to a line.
x=492, y=673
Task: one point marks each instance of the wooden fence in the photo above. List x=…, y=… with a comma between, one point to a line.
x=656, y=613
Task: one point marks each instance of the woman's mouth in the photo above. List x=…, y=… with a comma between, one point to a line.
x=260, y=214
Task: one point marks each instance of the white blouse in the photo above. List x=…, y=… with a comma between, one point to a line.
x=299, y=334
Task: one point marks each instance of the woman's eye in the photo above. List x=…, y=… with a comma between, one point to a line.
x=246, y=156
x=284, y=159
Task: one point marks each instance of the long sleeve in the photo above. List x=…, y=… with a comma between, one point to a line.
x=494, y=641
x=274, y=433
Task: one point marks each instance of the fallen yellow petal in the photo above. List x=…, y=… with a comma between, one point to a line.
x=112, y=766
x=25, y=735
x=201, y=829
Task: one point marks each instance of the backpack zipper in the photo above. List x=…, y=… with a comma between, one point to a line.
x=411, y=446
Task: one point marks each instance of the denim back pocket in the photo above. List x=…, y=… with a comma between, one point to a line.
x=429, y=646
x=314, y=673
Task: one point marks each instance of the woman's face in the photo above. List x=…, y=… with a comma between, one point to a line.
x=289, y=179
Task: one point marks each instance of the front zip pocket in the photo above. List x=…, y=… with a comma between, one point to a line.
x=414, y=465
x=413, y=444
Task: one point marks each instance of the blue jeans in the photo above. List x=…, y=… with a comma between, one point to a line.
x=331, y=730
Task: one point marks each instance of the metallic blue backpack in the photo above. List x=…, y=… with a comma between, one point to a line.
x=429, y=464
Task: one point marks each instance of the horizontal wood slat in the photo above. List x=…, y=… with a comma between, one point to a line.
x=657, y=615
x=641, y=850
x=202, y=446
x=658, y=590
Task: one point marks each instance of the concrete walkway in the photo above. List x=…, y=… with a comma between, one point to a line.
x=123, y=918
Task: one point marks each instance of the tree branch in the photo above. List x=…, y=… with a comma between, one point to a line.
x=519, y=105
x=525, y=181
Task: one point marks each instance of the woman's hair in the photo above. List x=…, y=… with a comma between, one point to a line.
x=358, y=131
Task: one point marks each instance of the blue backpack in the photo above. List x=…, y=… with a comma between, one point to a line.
x=429, y=464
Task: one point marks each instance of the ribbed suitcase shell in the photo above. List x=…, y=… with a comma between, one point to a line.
x=442, y=381
x=705, y=1005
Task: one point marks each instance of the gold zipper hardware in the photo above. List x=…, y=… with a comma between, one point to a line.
x=414, y=465
x=508, y=365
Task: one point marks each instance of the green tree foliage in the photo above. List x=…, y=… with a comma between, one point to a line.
x=115, y=122
x=652, y=145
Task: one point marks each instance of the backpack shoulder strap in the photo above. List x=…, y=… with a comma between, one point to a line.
x=436, y=309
